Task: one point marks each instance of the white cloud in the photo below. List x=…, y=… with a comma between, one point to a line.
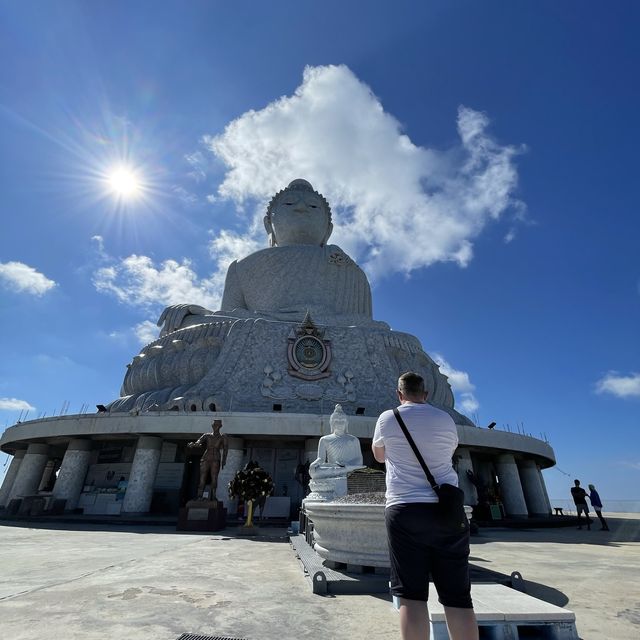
x=229, y=246
x=397, y=206
x=142, y=333
x=461, y=384
x=198, y=164
x=468, y=403
x=99, y=243
x=13, y=404
x=187, y=197
x=146, y=331
x=21, y=277
x=137, y=281
x=619, y=385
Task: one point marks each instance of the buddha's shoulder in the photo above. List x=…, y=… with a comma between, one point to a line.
x=343, y=437
x=339, y=257
x=290, y=252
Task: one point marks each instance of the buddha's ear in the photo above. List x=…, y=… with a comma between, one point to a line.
x=329, y=231
x=269, y=229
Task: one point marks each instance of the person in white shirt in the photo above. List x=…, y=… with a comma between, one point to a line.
x=420, y=546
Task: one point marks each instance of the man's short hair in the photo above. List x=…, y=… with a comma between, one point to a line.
x=411, y=384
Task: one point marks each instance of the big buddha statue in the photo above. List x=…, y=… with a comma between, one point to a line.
x=298, y=274
x=295, y=328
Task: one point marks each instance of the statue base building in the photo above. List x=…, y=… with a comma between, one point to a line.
x=91, y=452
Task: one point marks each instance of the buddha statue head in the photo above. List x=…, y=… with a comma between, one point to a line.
x=298, y=215
x=339, y=421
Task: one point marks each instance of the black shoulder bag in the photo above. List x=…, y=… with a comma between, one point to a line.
x=450, y=497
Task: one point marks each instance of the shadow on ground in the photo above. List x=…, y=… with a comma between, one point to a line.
x=266, y=533
x=480, y=574
x=622, y=531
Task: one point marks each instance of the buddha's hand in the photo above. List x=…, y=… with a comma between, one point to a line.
x=173, y=317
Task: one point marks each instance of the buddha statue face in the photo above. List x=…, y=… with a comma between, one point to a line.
x=339, y=421
x=298, y=215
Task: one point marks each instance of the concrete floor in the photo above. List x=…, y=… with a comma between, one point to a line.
x=90, y=582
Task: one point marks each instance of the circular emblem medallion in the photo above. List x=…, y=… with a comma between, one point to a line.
x=309, y=352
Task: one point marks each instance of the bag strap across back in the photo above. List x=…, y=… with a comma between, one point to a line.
x=423, y=464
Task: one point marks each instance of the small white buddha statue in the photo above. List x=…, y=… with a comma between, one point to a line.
x=339, y=453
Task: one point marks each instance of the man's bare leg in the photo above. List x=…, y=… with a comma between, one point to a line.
x=414, y=620
x=462, y=623
x=214, y=470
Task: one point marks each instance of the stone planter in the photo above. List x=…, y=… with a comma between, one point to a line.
x=353, y=533
x=349, y=533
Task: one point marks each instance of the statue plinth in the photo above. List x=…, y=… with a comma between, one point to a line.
x=326, y=489
x=202, y=515
x=203, y=504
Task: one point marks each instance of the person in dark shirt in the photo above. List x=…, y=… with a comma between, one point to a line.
x=579, y=496
x=596, y=503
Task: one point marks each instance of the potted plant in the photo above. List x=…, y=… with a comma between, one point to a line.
x=251, y=484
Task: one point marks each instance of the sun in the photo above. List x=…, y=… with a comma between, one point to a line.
x=125, y=182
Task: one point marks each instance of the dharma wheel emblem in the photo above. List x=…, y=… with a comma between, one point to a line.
x=308, y=353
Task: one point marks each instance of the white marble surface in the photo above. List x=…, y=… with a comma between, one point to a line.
x=350, y=533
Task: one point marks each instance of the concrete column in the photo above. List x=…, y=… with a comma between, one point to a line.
x=73, y=472
x=532, y=489
x=10, y=477
x=144, y=467
x=235, y=458
x=484, y=473
x=465, y=464
x=544, y=489
x=30, y=472
x=510, y=487
x=49, y=470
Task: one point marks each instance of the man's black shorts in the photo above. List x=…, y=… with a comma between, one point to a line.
x=420, y=548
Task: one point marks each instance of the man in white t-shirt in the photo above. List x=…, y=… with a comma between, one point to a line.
x=420, y=546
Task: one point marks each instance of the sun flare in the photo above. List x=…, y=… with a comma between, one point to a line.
x=124, y=182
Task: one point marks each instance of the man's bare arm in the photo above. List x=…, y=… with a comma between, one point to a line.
x=378, y=453
x=200, y=442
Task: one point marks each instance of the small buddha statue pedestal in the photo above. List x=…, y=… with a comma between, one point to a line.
x=326, y=489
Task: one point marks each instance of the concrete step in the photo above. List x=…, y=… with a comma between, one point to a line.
x=507, y=614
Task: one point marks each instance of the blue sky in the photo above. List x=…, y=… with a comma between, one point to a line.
x=480, y=158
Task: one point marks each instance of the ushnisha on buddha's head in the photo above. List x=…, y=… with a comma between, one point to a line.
x=298, y=215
